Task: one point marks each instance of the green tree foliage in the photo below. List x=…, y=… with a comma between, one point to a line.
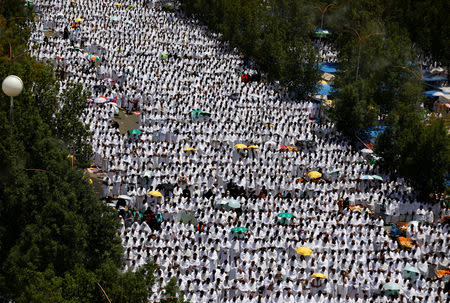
x=57, y=241
x=172, y=292
x=419, y=151
x=274, y=33
x=427, y=25
x=380, y=76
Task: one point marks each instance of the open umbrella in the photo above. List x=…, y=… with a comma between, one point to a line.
x=164, y=56
x=155, y=193
x=115, y=19
x=100, y=100
x=304, y=251
x=125, y=197
x=189, y=149
x=240, y=146
x=367, y=177
x=79, y=20
x=135, y=131
x=314, y=174
x=319, y=275
x=285, y=215
x=147, y=174
x=234, y=204
x=335, y=171
x=405, y=242
x=411, y=272
x=253, y=147
x=322, y=32
x=391, y=288
x=376, y=177
x=239, y=229
x=367, y=151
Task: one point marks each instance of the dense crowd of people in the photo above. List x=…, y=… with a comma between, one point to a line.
x=227, y=220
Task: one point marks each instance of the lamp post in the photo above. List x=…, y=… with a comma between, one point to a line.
x=361, y=39
x=12, y=86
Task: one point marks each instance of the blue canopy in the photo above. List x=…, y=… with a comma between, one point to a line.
x=435, y=78
x=327, y=67
x=430, y=93
x=324, y=89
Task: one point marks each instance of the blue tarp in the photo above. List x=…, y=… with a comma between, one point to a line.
x=435, y=78
x=324, y=89
x=370, y=134
x=330, y=68
x=430, y=93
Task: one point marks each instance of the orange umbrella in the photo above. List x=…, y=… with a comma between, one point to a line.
x=405, y=242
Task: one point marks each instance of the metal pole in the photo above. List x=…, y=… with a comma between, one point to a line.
x=11, y=107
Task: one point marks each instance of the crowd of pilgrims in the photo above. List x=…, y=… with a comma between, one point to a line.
x=164, y=66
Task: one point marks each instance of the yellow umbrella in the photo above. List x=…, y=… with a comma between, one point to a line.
x=323, y=82
x=253, y=147
x=155, y=193
x=189, y=149
x=79, y=20
x=314, y=174
x=240, y=146
x=304, y=251
x=118, y=4
x=319, y=275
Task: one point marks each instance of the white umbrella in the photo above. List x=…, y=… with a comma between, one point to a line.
x=100, y=100
x=125, y=197
x=367, y=151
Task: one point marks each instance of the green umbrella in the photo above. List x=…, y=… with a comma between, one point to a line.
x=376, y=177
x=135, y=131
x=239, y=229
x=411, y=270
x=391, y=286
x=285, y=215
x=131, y=6
x=164, y=56
x=335, y=171
x=234, y=204
x=196, y=113
x=169, y=5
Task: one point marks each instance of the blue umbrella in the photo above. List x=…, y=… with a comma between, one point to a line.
x=367, y=177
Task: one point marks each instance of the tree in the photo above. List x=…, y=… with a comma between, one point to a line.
x=172, y=292
x=57, y=240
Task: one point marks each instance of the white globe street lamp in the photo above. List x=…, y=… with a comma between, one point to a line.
x=12, y=86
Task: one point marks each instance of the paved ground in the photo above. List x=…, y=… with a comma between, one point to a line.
x=126, y=122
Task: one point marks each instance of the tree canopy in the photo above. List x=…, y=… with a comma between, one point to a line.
x=58, y=242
